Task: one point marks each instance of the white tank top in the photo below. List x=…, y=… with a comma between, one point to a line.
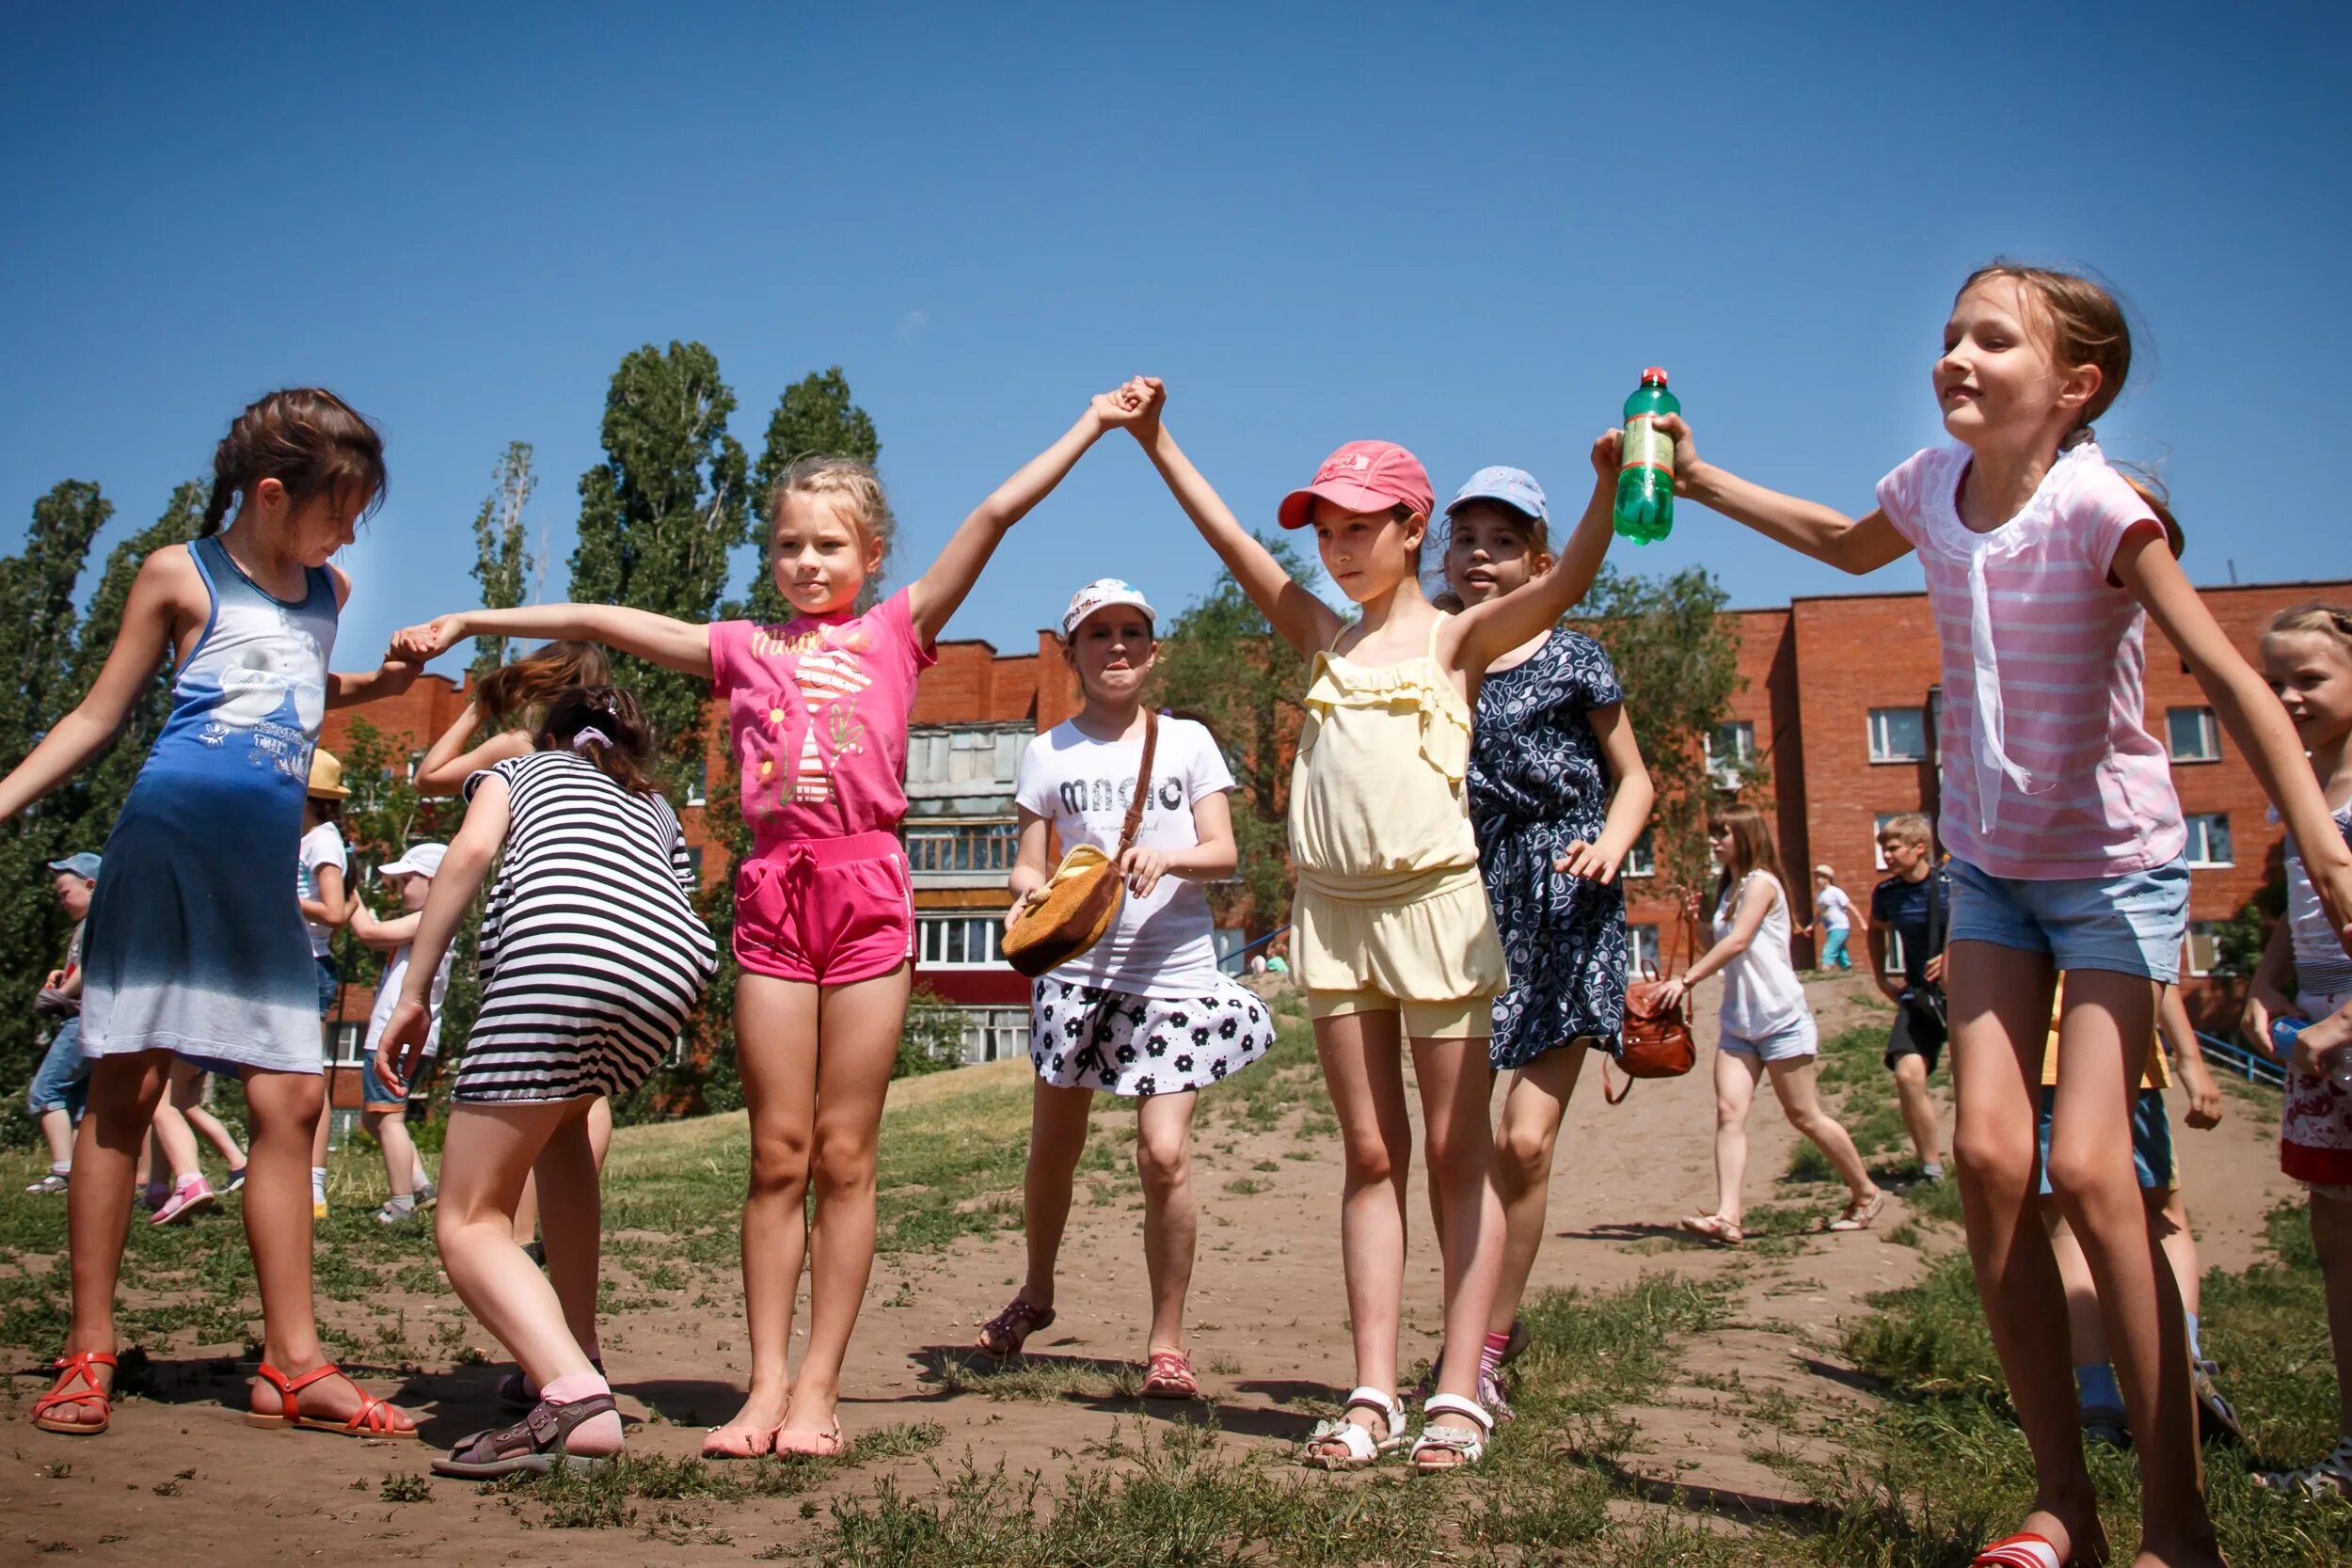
x=1761, y=993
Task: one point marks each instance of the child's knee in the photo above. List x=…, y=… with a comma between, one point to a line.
x=844, y=1162
x=1992, y=1156
x=1522, y=1155
x=1374, y=1160
x=780, y=1163
x=1163, y=1163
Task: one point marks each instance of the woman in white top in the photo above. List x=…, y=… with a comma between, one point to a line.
x=1767, y=1025
x=1144, y=1013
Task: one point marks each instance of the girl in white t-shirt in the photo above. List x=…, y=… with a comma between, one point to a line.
x=1144, y=1013
x=1765, y=1025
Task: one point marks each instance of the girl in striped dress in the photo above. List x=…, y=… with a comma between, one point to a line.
x=592, y=958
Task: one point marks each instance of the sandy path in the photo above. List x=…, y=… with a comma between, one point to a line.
x=1266, y=1301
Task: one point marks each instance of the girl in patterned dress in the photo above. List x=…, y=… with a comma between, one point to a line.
x=1558, y=795
x=194, y=946
x=1144, y=1013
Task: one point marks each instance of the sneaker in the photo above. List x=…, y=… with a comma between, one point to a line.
x=2217, y=1418
x=53, y=1182
x=425, y=1194
x=396, y=1214
x=2104, y=1426
x=236, y=1179
x=187, y=1200
x=1490, y=1394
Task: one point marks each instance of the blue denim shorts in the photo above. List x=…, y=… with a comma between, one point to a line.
x=2131, y=924
x=2152, y=1140
x=1795, y=1039
x=61, y=1081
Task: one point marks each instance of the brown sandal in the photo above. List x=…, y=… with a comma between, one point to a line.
x=373, y=1419
x=535, y=1443
x=1004, y=1335
x=70, y=1367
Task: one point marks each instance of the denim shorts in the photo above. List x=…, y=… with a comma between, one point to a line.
x=2131, y=924
x=2153, y=1160
x=61, y=1082
x=330, y=981
x=1795, y=1039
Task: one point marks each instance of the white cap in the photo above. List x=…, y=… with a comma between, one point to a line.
x=1102, y=594
x=421, y=859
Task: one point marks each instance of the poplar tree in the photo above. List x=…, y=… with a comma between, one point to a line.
x=501, y=558
x=814, y=418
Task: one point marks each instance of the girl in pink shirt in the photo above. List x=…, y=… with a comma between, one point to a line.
x=2041, y=564
x=824, y=928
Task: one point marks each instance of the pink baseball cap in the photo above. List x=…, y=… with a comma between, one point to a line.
x=1362, y=476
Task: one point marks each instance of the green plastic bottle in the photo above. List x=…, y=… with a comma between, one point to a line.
x=1645, y=472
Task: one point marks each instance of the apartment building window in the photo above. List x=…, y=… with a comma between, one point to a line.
x=1894, y=964
x=1899, y=733
x=694, y=864
x=698, y=793
x=1641, y=859
x=1641, y=952
x=2209, y=839
x=956, y=941
x=964, y=756
x=2193, y=735
x=2203, y=948
x=963, y=846
x=416, y=760
x=343, y=1044
x=1730, y=750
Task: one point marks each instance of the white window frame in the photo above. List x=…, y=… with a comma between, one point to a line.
x=1729, y=772
x=1893, y=950
x=2208, y=734
x=996, y=844
x=1641, y=941
x=698, y=788
x=1641, y=858
x=2201, y=837
x=1883, y=745
x=931, y=940
x=2209, y=932
x=1878, y=830
x=346, y=1043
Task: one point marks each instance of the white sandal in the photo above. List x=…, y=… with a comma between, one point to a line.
x=1362, y=1448
x=1468, y=1447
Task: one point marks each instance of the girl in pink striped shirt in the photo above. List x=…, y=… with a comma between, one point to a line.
x=2041, y=564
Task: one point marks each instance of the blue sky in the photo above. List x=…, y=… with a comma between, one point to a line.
x=1467, y=228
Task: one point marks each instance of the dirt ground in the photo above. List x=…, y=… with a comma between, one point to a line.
x=180, y=1476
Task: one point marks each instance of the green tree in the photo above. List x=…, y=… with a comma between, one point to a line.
x=1222, y=662
x=658, y=517
x=814, y=418
x=501, y=559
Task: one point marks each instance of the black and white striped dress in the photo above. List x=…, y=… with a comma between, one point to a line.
x=592, y=953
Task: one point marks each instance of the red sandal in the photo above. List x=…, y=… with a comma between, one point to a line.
x=374, y=1418
x=1004, y=1335
x=69, y=1368
x=1170, y=1377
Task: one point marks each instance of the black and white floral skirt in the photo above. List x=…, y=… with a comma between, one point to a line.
x=1088, y=1037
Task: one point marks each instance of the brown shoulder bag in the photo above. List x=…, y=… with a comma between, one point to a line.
x=1657, y=1041
x=1073, y=910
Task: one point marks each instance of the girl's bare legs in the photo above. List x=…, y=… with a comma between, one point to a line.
x=1058, y=1136
x=1735, y=1092
x=1795, y=1080
x=1363, y=1068
x=175, y=1140
x=123, y=1094
x=526, y=1227
x=2168, y=1221
x=1170, y=1223
x=187, y=1098
x=286, y=1109
x=390, y=1130
x=1526, y=1139
x=2331, y=1234
x=1456, y=1088
x=2000, y=1013
x=2085, y=1337
x=2104, y=1041
x=490, y=1152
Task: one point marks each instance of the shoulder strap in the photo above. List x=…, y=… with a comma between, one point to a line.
x=1939, y=897
x=1143, y=783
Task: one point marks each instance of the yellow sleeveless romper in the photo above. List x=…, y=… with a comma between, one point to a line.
x=1391, y=915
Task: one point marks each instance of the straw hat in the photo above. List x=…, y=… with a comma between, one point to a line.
x=326, y=776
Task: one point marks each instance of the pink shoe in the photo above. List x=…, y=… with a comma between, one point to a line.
x=190, y=1198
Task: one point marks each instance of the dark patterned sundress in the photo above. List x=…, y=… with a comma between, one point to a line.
x=1537, y=782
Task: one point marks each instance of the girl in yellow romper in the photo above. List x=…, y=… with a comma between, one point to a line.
x=1395, y=940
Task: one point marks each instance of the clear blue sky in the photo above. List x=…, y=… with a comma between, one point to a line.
x=1467, y=228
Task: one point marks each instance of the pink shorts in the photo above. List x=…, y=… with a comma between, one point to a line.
x=827, y=911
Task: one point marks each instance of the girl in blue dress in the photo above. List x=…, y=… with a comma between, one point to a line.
x=194, y=948
x=1558, y=795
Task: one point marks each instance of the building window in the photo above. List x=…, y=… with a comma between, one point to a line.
x=1641, y=950
x=1877, y=830
x=2203, y=954
x=416, y=760
x=1730, y=752
x=1894, y=964
x=2209, y=839
x=698, y=792
x=1641, y=859
x=344, y=1043
x=963, y=846
x=1898, y=734
x=2194, y=734
x=958, y=942
x=694, y=863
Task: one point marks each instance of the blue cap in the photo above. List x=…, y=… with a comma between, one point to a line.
x=84, y=866
x=1514, y=487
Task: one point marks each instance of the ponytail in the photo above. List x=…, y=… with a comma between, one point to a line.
x=607, y=725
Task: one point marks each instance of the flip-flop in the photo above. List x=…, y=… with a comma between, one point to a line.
x=2025, y=1550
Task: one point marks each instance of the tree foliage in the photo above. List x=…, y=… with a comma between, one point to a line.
x=814, y=418
x=501, y=557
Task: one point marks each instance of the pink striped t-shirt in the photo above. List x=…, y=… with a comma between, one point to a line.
x=2048, y=768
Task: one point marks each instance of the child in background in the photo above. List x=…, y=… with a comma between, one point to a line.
x=591, y=960
x=2067, y=846
x=1916, y=903
x=1833, y=918
x=191, y=1097
x=192, y=945
x=1144, y=1013
x=1558, y=794
x=824, y=927
x=58, y=1089
x=323, y=866
x=385, y=1113
x=1766, y=1026
x=2307, y=656
x=1397, y=941
x=2158, y=1169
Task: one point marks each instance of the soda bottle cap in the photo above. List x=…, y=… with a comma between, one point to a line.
x=1654, y=373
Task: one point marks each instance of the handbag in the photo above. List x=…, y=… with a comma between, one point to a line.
x=1656, y=1041
x=1073, y=910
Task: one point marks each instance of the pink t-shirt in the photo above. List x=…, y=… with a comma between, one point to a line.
x=817, y=710
x=2048, y=768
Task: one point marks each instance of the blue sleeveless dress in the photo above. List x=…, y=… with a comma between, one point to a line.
x=195, y=943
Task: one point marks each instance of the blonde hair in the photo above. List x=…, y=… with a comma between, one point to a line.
x=2326, y=619
x=853, y=487
x=1908, y=828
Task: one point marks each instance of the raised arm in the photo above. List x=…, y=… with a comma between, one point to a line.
x=454, y=886
x=1486, y=632
x=2248, y=711
x=1305, y=622
x=680, y=645
x=937, y=592
x=448, y=763
x=1852, y=544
